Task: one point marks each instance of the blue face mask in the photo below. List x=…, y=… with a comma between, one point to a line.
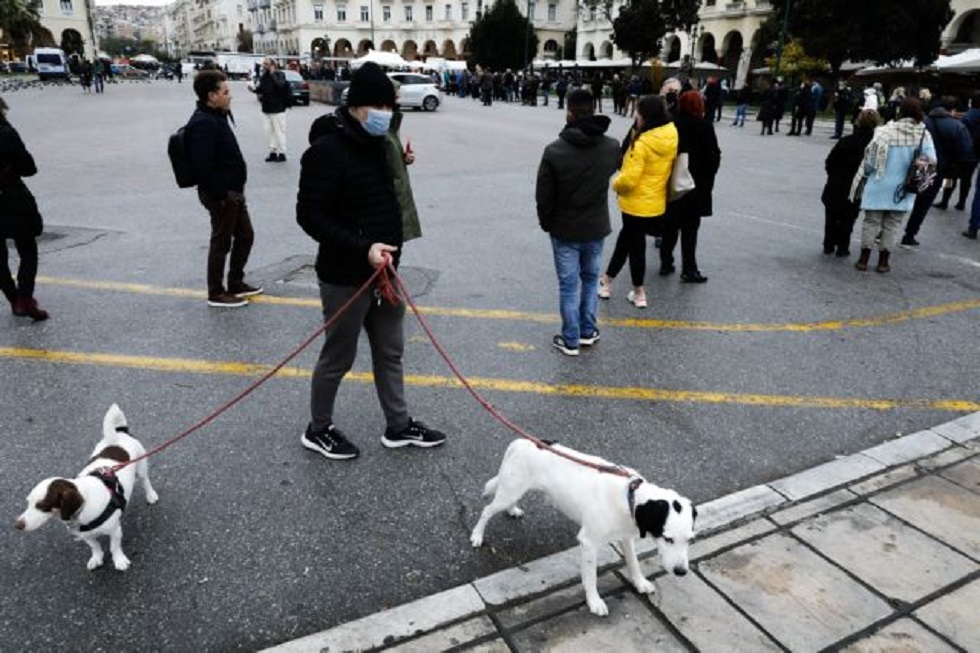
x=377, y=122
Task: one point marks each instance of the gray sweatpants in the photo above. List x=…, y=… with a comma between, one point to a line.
x=383, y=324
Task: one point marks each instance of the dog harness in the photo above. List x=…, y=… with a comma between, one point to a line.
x=631, y=493
x=117, y=498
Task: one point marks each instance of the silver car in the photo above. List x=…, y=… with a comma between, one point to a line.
x=414, y=90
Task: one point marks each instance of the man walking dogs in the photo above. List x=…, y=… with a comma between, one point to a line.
x=219, y=169
x=572, y=197
x=348, y=204
x=274, y=94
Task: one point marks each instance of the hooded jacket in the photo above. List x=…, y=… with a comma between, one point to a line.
x=572, y=192
x=347, y=199
x=642, y=180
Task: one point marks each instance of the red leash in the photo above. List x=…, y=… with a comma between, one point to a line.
x=386, y=291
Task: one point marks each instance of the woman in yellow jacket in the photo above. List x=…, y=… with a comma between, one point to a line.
x=642, y=189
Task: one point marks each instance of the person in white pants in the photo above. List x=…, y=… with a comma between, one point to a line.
x=274, y=95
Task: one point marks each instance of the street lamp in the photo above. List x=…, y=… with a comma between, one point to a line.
x=527, y=35
x=782, y=37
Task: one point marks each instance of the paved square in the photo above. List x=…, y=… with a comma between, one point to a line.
x=957, y=616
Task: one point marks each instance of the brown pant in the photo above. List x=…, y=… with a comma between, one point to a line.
x=231, y=231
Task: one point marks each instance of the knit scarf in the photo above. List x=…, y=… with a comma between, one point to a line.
x=898, y=133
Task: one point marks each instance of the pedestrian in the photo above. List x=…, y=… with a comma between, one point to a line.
x=561, y=88
x=98, y=72
x=882, y=173
x=814, y=104
x=632, y=95
x=742, y=96
x=782, y=96
x=696, y=137
x=712, y=98
x=220, y=171
x=963, y=175
x=21, y=221
x=972, y=122
x=841, y=165
x=347, y=202
x=179, y=72
x=573, y=208
x=801, y=105
x=596, y=86
x=641, y=189
x=274, y=96
x=768, y=109
x=954, y=149
x=843, y=102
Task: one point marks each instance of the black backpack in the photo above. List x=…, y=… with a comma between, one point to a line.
x=177, y=151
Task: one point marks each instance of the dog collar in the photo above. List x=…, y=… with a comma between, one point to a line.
x=631, y=493
x=117, y=498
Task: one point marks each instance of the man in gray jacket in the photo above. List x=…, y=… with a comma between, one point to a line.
x=573, y=207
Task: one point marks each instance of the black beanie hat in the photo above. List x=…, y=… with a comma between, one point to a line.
x=370, y=87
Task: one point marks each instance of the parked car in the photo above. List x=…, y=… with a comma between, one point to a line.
x=299, y=88
x=17, y=66
x=130, y=72
x=414, y=91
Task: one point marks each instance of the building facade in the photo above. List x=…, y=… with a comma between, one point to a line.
x=72, y=18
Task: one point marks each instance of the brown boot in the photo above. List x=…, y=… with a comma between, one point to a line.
x=27, y=307
x=883, y=261
x=862, y=263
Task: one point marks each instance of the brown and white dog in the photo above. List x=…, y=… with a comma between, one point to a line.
x=91, y=504
x=606, y=506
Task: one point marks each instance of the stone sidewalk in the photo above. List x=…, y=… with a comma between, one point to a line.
x=878, y=551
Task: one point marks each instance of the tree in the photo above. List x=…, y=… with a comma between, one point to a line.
x=882, y=31
x=502, y=38
x=21, y=26
x=244, y=40
x=640, y=27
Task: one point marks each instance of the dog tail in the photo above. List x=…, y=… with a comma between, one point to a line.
x=490, y=489
x=113, y=422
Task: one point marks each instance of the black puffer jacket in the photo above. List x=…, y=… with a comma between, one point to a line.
x=572, y=191
x=698, y=139
x=213, y=152
x=841, y=165
x=347, y=199
x=19, y=216
x=273, y=92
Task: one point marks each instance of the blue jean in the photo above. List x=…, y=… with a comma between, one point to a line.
x=740, y=112
x=575, y=262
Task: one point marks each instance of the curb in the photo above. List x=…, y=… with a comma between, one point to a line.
x=792, y=498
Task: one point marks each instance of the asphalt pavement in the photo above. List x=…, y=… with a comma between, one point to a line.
x=785, y=360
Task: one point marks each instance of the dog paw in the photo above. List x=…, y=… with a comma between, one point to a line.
x=152, y=497
x=476, y=539
x=120, y=562
x=598, y=607
x=94, y=562
x=643, y=586
x=515, y=512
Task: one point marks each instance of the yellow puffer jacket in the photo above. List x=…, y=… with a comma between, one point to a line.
x=642, y=180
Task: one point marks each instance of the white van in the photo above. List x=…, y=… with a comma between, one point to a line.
x=51, y=63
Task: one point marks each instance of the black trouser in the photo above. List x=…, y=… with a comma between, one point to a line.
x=231, y=232
x=796, y=126
x=810, y=117
x=631, y=242
x=964, y=180
x=686, y=226
x=839, y=117
x=26, y=247
x=923, y=202
x=838, y=225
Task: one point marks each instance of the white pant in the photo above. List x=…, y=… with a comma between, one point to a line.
x=275, y=130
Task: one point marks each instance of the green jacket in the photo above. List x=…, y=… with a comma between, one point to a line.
x=403, y=186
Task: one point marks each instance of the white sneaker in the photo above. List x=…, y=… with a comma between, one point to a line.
x=640, y=301
x=605, y=291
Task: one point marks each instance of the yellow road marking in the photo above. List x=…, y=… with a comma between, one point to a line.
x=191, y=366
x=548, y=318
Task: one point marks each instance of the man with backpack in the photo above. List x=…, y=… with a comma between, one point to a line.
x=217, y=165
x=972, y=122
x=274, y=95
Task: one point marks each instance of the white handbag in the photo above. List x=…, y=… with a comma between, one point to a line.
x=681, y=182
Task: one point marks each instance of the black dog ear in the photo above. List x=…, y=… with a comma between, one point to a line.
x=694, y=513
x=651, y=516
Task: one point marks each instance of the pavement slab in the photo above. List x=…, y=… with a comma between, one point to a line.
x=809, y=508
x=906, y=448
x=553, y=603
x=902, y=636
x=956, y=616
x=826, y=476
x=966, y=474
x=872, y=544
x=457, y=635
x=799, y=598
x=939, y=507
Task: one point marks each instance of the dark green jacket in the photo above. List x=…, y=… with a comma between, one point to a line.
x=403, y=186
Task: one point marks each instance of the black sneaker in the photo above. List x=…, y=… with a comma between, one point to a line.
x=559, y=343
x=416, y=434
x=331, y=443
x=908, y=242
x=588, y=341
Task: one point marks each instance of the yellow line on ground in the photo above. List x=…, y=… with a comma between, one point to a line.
x=548, y=318
x=191, y=366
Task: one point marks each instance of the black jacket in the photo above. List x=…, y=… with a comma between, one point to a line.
x=697, y=138
x=19, y=216
x=954, y=147
x=213, y=153
x=273, y=91
x=347, y=199
x=572, y=191
x=841, y=165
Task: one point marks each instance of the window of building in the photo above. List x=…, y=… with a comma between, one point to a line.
x=386, y=13
x=449, y=12
x=365, y=14
x=592, y=14
x=341, y=13
x=552, y=13
x=532, y=10
x=318, y=13
x=464, y=10
x=66, y=7
x=428, y=13
x=409, y=15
